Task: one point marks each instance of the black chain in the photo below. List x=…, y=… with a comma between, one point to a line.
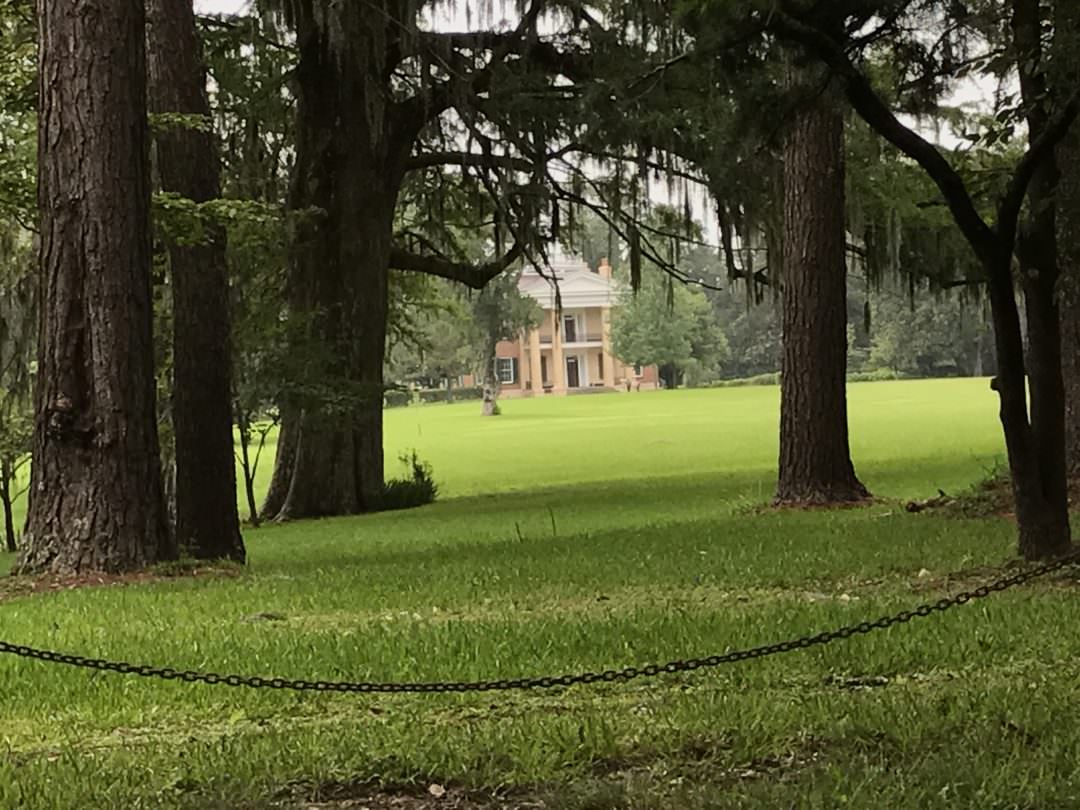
x=610, y=676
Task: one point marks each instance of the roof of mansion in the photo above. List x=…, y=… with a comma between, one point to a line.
x=579, y=286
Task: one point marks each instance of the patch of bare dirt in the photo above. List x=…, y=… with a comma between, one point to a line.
x=991, y=497
x=969, y=579
x=811, y=506
x=434, y=797
x=963, y=580
x=661, y=776
x=14, y=587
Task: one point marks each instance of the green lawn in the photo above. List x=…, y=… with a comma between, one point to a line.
x=948, y=426
x=581, y=534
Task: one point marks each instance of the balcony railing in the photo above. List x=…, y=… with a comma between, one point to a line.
x=591, y=337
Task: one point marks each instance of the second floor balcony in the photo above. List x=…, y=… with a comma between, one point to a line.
x=575, y=338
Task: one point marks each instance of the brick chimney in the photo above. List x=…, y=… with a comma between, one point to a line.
x=604, y=269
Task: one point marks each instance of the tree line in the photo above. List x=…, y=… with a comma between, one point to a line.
x=701, y=337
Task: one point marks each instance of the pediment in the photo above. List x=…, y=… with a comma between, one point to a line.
x=571, y=285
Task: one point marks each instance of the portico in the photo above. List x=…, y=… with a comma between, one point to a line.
x=570, y=350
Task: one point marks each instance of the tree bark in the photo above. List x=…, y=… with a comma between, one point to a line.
x=1041, y=513
x=7, y=476
x=669, y=374
x=168, y=485
x=1067, y=76
x=1047, y=502
x=350, y=164
x=1069, y=299
x=490, y=382
x=96, y=493
x=815, y=459
x=1042, y=491
x=284, y=461
x=243, y=427
x=207, y=521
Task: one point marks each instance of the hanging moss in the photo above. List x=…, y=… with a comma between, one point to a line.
x=635, y=258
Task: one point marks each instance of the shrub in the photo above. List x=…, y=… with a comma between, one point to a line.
x=468, y=392
x=417, y=489
x=772, y=378
x=397, y=398
x=451, y=394
x=433, y=395
x=875, y=375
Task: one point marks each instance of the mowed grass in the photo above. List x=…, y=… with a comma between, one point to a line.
x=581, y=534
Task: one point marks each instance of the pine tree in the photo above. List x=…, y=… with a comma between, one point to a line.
x=96, y=493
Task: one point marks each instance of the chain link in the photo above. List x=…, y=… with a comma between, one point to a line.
x=546, y=682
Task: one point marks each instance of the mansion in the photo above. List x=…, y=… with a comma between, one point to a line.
x=570, y=351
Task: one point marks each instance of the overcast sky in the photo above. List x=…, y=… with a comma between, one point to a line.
x=969, y=91
x=979, y=93
x=219, y=6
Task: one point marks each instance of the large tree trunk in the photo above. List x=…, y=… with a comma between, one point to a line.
x=350, y=164
x=1070, y=305
x=95, y=496
x=1067, y=60
x=1042, y=491
x=815, y=460
x=1041, y=517
x=1036, y=446
x=338, y=463
x=207, y=522
x=669, y=374
x=284, y=461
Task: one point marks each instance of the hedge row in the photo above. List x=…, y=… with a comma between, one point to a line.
x=398, y=398
x=876, y=375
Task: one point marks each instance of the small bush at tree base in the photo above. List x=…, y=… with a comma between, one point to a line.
x=418, y=489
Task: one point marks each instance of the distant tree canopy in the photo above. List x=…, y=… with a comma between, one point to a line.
x=671, y=326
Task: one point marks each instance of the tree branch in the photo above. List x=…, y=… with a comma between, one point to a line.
x=963, y=282
x=413, y=113
x=637, y=160
x=1043, y=147
x=648, y=250
x=236, y=25
x=870, y=106
x=490, y=161
x=984, y=239
x=447, y=43
x=475, y=276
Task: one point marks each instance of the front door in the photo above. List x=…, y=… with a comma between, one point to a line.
x=573, y=378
